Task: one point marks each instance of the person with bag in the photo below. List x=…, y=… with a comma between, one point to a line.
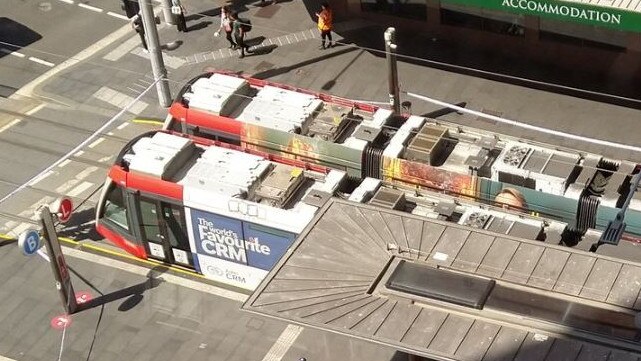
x=179, y=11
x=226, y=24
x=136, y=24
x=325, y=19
x=240, y=28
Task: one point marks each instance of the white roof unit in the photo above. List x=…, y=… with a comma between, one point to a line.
x=156, y=155
x=214, y=93
x=502, y=223
x=281, y=109
x=535, y=167
x=227, y=172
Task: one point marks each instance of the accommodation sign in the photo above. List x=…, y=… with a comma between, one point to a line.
x=564, y=11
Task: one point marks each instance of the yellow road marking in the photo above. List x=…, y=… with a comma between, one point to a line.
x=148, y=121
x=121, y=255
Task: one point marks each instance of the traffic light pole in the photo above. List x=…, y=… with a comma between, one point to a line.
x=392, y=71
x=57, y=261
x=166, y=10
x=157, y=64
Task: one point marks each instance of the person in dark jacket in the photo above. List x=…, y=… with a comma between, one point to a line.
x=239, y=34
x=179, y=11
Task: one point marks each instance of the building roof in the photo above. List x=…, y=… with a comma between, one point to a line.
x=333, y=278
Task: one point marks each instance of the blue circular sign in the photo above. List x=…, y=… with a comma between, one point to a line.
x=29, y=242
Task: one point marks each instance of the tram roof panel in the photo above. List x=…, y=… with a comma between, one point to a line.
x=344, y=274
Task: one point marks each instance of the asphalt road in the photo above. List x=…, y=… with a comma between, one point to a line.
x=37, y=35
x=70, y=106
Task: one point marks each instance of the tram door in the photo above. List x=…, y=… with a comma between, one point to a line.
x=164, y=233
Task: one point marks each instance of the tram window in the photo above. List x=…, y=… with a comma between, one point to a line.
x=177, y=230
x=115, y=208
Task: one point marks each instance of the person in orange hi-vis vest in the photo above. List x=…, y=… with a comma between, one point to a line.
x=325, y=24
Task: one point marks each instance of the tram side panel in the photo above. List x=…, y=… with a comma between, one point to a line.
x=233, y=251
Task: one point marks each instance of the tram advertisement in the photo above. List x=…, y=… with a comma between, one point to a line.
x=248, y=250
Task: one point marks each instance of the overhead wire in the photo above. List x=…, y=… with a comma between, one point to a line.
x=445, y=104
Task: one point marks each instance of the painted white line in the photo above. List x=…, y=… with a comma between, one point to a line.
x=178, y=327
x=296, y=37
x=67, y=1
x=98, y=141
x=122, y=49
x=10, y=52
x=280, y=42
x=143, y=271
x=21, y=228
x=119, y=99
x=10, y=124
x=116, y=15
x=40, y=178
x=79, y=146
x=40, y=61
x=110, y=133
x=29, y=88
x=36, y=109
x=85, y=173
x=66, y=185
x=79, y=153
x=104, y=159
x=283, y=343
x=17, y=120
x=89, y=7
x=64, y=163
x=122, y=126
x=79, y=189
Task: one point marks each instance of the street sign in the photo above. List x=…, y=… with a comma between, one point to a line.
x=29, y=242
x=64, y=207
x=57, y=260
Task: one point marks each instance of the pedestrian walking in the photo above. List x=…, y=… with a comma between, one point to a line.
x=179, y=11
x=325, y=19
x=226, y=25
x=137, y=24
x=240, y=27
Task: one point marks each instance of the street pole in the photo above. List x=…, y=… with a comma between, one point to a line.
x=57, y=261
x=392, y=72
x=166, y=10
x=157, y=64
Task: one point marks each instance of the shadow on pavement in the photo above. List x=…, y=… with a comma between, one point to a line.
x=264, y=50
x=81, y=226
x=14, y=35
x=422, y=48
x=134, y=294
x=199, y=26
x=332, y=82
x=255, y=41
x=172, y=45
x=286, y=69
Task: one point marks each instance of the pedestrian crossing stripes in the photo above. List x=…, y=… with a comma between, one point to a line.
x=282, y=40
